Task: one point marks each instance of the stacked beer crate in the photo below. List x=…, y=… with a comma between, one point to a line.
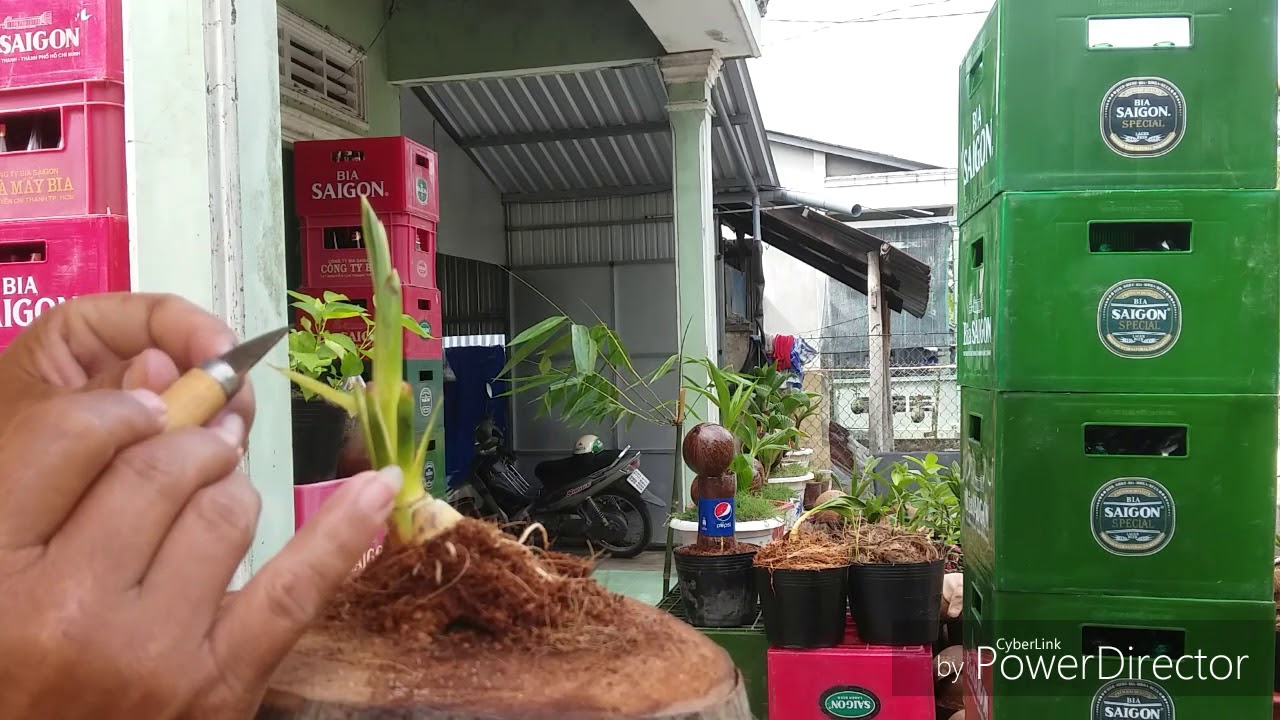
x=1119, y=336
x=399, y=178
x=63, y=231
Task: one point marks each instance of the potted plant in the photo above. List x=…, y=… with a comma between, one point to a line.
x=325, y=355
x=802, y=579
x=900, y=542
x=715, y=570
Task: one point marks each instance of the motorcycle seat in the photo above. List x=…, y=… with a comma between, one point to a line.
x=574, y=467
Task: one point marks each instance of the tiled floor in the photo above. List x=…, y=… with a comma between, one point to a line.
x=639, y=578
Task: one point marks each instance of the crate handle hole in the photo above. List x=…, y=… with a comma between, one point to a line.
x=424, y=240
x=22, y=252
x=343, y=238
x=31, y=131
x=1140, y=237
x=1139, y=32
x=975, y=252
x=1135, y=440
x=347, y=156
x=426, y=375
x=424, y=304
x=974, y=76
x=421, y=161
x=1133, y=642
x=975, y=428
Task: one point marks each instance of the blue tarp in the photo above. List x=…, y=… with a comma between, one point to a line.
x=466, y=404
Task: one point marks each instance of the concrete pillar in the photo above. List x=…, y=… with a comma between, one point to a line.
x=206, y=199
x=689, y=78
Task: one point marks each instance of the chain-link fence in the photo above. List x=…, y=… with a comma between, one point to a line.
x=924, y=395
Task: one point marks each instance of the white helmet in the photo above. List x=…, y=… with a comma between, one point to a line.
x=587, y=445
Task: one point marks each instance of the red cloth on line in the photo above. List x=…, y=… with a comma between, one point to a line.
x=782, y=347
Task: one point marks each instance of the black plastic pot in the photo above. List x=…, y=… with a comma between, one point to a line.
x=718, y=590
x=896, y=604
x=803, y=608
x=318, y=431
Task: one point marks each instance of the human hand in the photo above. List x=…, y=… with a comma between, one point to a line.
x=117, y=542
x=121, y=341
x=952, y=595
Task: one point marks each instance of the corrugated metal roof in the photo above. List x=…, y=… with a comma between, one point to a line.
x=576, y=133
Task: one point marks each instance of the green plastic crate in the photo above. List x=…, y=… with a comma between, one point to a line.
x=1076, y=626
x=1042, y=110
x=426, y=383
x=747, y=647
x=1127, y=291
x=1152, y=495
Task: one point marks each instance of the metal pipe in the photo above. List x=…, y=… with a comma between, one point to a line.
x=822, y=203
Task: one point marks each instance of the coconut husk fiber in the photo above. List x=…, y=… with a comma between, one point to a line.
x=475, y=624
x=807, y=549
x=876, y=544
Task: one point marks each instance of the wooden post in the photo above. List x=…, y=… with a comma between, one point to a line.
x=879, y=400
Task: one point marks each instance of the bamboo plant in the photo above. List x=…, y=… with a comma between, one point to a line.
x=384, y=409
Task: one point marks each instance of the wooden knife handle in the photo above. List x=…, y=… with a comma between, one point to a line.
x=193, y=400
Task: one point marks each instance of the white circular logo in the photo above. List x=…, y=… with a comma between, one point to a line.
x=425, y=402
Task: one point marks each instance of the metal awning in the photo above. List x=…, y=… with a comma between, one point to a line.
x=596, y=132
x=839, y=252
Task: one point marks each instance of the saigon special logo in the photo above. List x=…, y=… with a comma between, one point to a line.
x=421, y=189
x=1132, y=516
x=1143, y=117
x=424, y=401
x=1132, y=700
x=429, y=474
x=1139, y=318
x=849, y=702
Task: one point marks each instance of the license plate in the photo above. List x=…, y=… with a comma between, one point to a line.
x=638, y=480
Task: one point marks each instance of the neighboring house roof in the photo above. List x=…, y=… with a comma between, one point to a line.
x=845, y=151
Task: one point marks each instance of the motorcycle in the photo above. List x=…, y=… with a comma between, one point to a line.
x=599, y=496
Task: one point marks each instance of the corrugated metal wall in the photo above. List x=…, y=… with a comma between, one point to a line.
x=846, y=310
x=607, y=260
x=473, y=295
x=625, y=229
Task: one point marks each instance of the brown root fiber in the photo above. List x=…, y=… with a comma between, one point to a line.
x=731, y=548
x=887, y=544
x=474, y=579
x=810, y=549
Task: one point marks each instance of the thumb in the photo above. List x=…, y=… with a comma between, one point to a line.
x=150, y=369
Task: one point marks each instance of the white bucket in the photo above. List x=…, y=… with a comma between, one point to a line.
x=757, y=532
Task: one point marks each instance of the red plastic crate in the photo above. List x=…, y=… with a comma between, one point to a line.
x=82, y=170
x=397, y=174
x=334, y=255
x=53, y=41
x=880, y=681
x=45, y=263
x=422, y=304
x=978, y=691
x=307, y=501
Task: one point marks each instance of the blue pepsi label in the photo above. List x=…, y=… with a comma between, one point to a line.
x=715, y=517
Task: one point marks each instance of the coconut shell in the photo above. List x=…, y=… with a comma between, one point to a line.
x=695, y=489
x=757, y=477
x=957, y=716
x=708, y=449
x=828, y=496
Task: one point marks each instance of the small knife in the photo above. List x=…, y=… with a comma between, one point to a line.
x=200, y=393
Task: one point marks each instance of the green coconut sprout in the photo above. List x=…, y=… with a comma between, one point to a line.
x=385, y=408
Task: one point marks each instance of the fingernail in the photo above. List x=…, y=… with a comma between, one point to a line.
x=151, y=401
x=379, y=494
x=231, y=428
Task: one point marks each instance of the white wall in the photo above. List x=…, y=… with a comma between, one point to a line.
x=471, y=220
x=794, y=292
x=799, y=168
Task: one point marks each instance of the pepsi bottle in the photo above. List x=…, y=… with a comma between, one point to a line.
x=716, y=512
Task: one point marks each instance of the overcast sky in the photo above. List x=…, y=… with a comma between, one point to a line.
x=885, y=79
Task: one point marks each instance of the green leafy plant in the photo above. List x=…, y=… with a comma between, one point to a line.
x=598, y=383
x=790, y=470
x=732, y=394
x=385, y=408
x=323, y=354
x=747, y=508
